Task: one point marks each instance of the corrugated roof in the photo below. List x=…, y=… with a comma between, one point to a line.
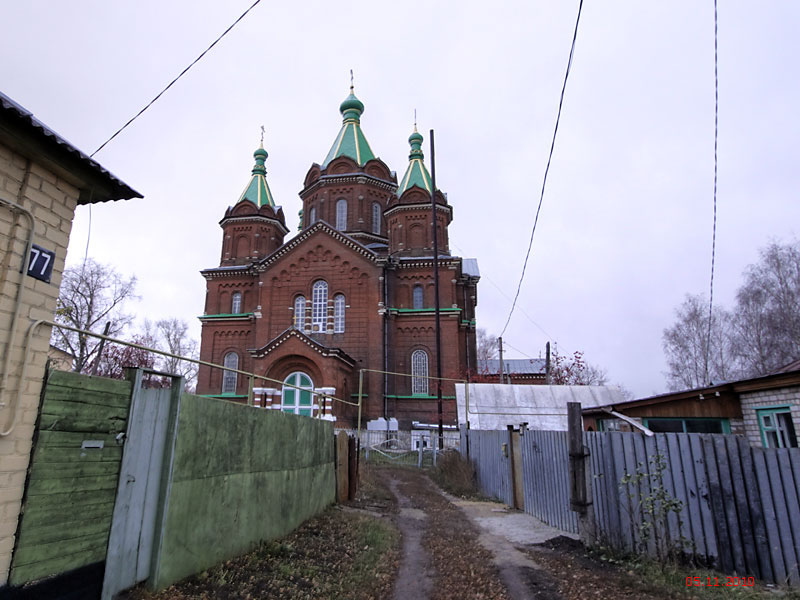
x=518, y=366
x=114, y=188
x=495, y=406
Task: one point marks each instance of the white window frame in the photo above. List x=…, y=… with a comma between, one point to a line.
x=299, y=319
x=230, y=378
x=418, y=296
x=341, y=214
x=419, y=373
x=338, y=313
x=376, y=218
x=319, y=306
x=236, y=303
x=312, y=217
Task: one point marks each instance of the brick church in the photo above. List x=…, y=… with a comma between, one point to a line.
x=353, y=290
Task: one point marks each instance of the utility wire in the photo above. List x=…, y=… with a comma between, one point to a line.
x=182, y=73
x=547, y=168
x=714, y=226
x=505, y=343
x=507, y=297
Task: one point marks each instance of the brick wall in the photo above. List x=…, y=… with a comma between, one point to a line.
x=786, y=396
x=52, y=201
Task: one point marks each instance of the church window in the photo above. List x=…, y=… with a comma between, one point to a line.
x=319, y=306
x=419, y=299
x=419, y=372
x=376, y=218
x=341, y=214
x=312, y=217
x=299, y=312
x=298, y=401
x=338, y=313
x=231, y=361
x=236, y=303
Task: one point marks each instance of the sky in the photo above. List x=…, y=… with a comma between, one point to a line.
x=625, y=228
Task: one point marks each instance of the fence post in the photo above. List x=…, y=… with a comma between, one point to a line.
x=435, y=451
x=352, y=467
x=419, y=461
x=580, y=486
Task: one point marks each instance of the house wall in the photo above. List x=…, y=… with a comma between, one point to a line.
x=52, y=201
x=751, y=401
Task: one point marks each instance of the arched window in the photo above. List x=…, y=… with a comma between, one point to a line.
x=419, y=372
x=319, y=306
x=338, y=313
x=341, y=214
x=298, y=402
x=236, y=303
x=230, y=361
x=299, y=312
x=419, y=297
x=312, y=216
x=376, y=218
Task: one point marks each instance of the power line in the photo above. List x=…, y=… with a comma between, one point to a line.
x=181, y=74
x=547, y=168
x=517, y=349
x=507, y=297
x=714, y=226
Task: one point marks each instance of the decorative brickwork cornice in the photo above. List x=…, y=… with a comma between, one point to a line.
x=350, y=179
x=401, y=207
x=322, y=226
x=255, y=219
x=308, y=341
x=219, y=272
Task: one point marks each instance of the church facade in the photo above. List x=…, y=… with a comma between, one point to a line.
x=352, y=291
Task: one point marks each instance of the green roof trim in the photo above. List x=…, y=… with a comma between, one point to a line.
x=351, y=141
x=226, y=316
x=416, y=173
x=257, y=190
x=425, y=310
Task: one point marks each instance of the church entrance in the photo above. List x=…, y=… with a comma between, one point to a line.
x=298, y=402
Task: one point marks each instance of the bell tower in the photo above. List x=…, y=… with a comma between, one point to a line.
x=408, y=217
x=254, y=227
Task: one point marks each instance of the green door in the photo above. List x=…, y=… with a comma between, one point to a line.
x=298, y=402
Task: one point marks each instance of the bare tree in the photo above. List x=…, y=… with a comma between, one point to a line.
x=487, y=345
x=574, y=370
x=91, y=296
x=686, y=341
x=172, y=335
x=767, y=318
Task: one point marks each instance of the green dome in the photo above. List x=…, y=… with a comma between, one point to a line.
x=415, y=137
x=351, y=104
x=260, y=152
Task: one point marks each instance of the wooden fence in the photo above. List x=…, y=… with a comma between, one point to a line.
x=739, y=509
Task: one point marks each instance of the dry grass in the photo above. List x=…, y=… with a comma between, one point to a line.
x=455, y=474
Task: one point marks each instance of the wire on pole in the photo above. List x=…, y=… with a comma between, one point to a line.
x=547, y=168
x=714, y=226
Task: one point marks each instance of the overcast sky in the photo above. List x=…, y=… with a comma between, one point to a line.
x=625, y=229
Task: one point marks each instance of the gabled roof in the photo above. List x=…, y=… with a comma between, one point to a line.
x=351, y=141
x=257, y=190
x=30, y=137
x=416, y=173
x=319, y=226
x=315, y=345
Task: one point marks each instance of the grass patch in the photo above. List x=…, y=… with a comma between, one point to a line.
x=338, y=554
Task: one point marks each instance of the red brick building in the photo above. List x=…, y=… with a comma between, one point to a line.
x=353, y=290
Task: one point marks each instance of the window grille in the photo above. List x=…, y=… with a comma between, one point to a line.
x=299, y=312
x=376, y=218
x=338, y=313
x=419, y=298
x=419, y=372
x=236, y=303
x=341, y=214
x=319, y=306
x=230, y=361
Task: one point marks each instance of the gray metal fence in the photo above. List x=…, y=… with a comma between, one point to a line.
x=739, y=506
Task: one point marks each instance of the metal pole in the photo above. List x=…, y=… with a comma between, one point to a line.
x=436, y=296
x=100, y=349
x=502, y=370
x=250, y=387
x=360, y=391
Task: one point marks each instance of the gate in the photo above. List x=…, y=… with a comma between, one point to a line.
x=72, y=480
x=94, y=489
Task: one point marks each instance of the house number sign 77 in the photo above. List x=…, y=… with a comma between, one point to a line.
x=40, y=265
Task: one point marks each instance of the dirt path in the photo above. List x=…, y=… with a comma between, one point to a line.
x=446, y=554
